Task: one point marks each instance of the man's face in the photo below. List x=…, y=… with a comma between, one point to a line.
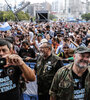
x=48, y=29
x=78, y=38
x=4, y=50
x=66, y=49
x=44, y=50
x=25, y=46
x=82, y=60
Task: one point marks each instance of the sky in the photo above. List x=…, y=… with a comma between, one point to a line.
x=31, y=1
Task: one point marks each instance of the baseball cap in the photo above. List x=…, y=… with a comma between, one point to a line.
x=43, y=41
x=82, y=49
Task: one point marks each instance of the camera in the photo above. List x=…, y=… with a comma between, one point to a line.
x=2, y=62
x=7, y=70
x=47, y=32
x=10, y=70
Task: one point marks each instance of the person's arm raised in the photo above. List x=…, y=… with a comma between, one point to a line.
x=16, y=60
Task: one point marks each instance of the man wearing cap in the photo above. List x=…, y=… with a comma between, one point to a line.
x=47, y=65
x=72, y=82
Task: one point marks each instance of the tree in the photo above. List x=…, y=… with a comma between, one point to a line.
x=27, y=15
x=10, y=16
x=86, y=16
x=51, y=16
x=22, y=16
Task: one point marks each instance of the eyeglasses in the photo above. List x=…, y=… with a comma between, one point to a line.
x=65, y=47
x=43, y=47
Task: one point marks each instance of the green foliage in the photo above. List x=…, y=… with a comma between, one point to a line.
x=10, y=16
x=86, y=16
x=33, y=18
x=51, y=17
x=27, y=15
x=54, y=19
x=22, y=16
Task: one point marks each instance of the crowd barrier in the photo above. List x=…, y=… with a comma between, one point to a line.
x=31, y=90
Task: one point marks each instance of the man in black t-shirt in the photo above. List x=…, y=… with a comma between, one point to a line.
x=11, y=68
x=72, y=82
x=26, y=52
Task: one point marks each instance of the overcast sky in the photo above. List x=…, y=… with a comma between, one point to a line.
x=31, y=1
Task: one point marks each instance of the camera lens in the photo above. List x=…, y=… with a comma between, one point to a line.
x=2, y=62
x=10, y=70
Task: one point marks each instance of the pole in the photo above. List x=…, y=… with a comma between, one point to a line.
x=86, y=6
x=16, y=18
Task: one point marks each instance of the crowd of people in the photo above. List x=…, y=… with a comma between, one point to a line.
x=61, y=51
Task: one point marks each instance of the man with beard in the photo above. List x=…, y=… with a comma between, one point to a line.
x=47, y=65
x=72, y=82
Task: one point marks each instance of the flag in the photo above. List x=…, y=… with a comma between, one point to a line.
x=5, y=26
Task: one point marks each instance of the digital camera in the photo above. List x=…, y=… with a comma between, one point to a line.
x=7, y=70
x=2, y=62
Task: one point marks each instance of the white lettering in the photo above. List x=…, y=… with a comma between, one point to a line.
x=4, y=89
x=6, y=84
x=79, y=94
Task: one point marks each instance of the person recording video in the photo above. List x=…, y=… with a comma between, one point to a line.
x=11, y=68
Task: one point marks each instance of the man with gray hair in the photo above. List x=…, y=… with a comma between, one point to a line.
x=47, y=65
x=72, y=82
